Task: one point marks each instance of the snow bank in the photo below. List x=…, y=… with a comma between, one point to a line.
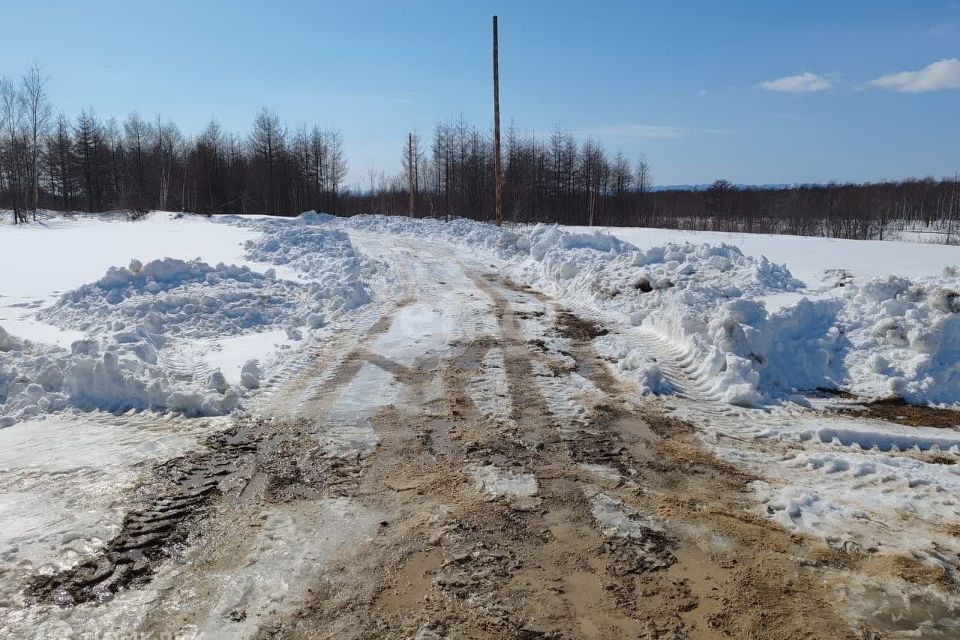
x=905, y=336
x=876, y=337
x=698, y=294
x=137, y=318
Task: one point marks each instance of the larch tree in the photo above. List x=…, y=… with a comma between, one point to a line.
x=37, y=111
x=137, y=134
x=267, y=143
x=12, y=121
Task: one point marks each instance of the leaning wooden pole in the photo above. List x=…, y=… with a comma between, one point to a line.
x=410, y=184
x=497, y=187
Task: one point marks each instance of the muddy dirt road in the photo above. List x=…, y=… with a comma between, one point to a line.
x=462, y=466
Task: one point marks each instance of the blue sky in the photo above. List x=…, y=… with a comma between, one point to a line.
x=754, y=92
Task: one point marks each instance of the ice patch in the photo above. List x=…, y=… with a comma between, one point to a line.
x=282, y=563
x=616, y=519
x=496, y=482
x=489, y=389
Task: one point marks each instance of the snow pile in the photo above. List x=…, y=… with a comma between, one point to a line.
x=37, y=379
x=176, y=298
x=700, y=295
x=27, y=372
x=324, y=255
x=137, y=318
x=905, y=336
x=636, y=364
x=881, y=337
x=312, y=217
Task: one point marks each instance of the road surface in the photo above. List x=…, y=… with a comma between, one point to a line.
x=458, y=463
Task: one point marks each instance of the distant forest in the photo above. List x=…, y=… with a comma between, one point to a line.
x=559, y=179
x=93, y=164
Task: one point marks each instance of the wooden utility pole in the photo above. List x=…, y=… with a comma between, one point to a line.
x=410, y=184
x=497, y=188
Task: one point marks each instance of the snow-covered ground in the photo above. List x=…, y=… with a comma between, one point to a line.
x=185, y=314
x=755, y=331
x=135, y=327
x=812, y=260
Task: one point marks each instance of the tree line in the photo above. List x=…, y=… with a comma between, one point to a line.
x=93, y=164
x=871, y=211
x=557, y=178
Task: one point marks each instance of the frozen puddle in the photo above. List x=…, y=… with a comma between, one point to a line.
x=563, y=394
x=496, y=482
x=489, y=389
x=616, y=519
x=270, y=574
x=416, y=330
x=603, y=472
x=348, y=427
x=63, y=480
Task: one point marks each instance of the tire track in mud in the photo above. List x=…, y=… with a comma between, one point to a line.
x=453, y=561
x=259, y=460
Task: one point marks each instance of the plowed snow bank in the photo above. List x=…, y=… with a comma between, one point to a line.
x=875, y=337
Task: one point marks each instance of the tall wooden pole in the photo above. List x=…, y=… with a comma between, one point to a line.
x=410, y=185
x=497, y=189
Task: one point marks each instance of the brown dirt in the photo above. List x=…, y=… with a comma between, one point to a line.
x=899, y=411
x=449, y=561
x=452, y=562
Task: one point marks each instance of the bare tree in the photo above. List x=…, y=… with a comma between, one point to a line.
x=167, y=139
x=11, y=117
x=137, y=134
x=622, y=178
x=337, y=163
x=60, y=161
x=644, y=181
x=267, y=143
x=88, y=137
x=411, y=163
x=37, y=111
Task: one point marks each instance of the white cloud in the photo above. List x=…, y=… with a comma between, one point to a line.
x=645, y=131
x=803, y=83
x=944, y=74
